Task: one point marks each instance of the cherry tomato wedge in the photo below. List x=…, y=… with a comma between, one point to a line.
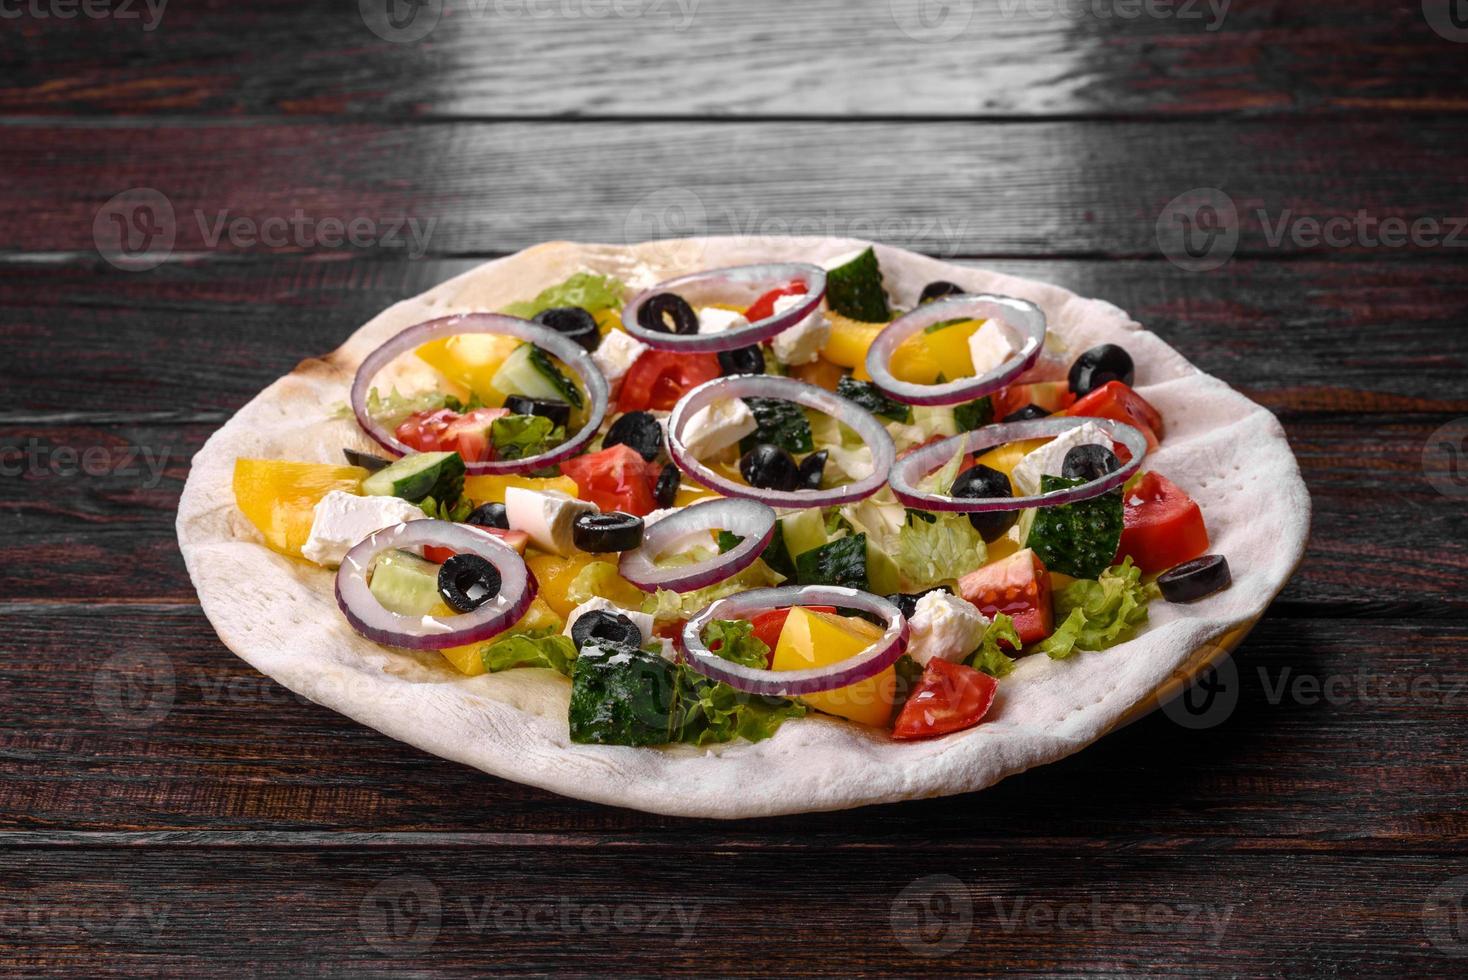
x=445, y=430
x=768, y=624
x=1052, y=396
x=659, y=378
x=615, y=479
x=1118, y=402
x=765, y=306
x=948, y=698
x=518, y=540
x=1161, y=526
x=1019, y=587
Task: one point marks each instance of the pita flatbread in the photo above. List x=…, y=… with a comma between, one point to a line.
x=279, y=615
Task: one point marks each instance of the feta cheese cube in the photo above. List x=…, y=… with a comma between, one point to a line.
x=1047, y=460
x=945, y=626
x=641, y=620
x=714, y=320
x=802, y=343
x=616, y=354
x=546, y=515
x=991, y=345
x=343, y=520
x=716, y=427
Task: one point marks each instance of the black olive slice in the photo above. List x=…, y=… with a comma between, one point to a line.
x=980, y=482
x=602, y=533
x=467, y=582
x=1196, y=579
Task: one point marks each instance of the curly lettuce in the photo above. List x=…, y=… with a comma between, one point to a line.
x=536, y=648
x=585, y=289
x=937, y=548
x=1098, y=614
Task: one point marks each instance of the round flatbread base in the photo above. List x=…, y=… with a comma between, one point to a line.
x=279, y=615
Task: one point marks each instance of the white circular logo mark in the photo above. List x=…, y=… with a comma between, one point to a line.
x=135, y=230
x=134, y=690
x=1449, y=18
x=1445, y=917
x=401, y=21
x=1210, y=701
x=1445, y=460
x=672, y=216
x=401, y=916
x=932, y=21
x=933, y=916
x=1199, y=229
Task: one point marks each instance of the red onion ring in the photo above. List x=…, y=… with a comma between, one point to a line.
x=368, y=617
x=884, y=453
x=1019, y=314
x=573, y=355
x=752, y=521
x=790, y=683
x=924, y=460
x=755, y=280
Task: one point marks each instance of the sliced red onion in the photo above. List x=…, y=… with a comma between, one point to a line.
x=1018, y=314
x=765, y=386
x=368, y=617
x=752, y=521
x=736, y=286
x=924, y=460
x=573, y=355
x=788, y=683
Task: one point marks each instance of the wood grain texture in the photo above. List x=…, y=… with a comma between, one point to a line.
x=1051, y=189
x=740, y=58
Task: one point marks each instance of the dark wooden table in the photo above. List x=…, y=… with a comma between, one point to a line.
x=163, y=809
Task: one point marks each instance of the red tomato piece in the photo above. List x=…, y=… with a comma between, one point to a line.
x=1116, y=401
x=614, y=479
x=765, y=306
x=768, y=624
x=659, y=378
x=436, y=554
x=448, y=431
x=948, y=698
x=1162, y=525
x=1019, y=587
x=1052, y=396
x=518, y=540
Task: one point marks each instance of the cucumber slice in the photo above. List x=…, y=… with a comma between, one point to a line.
x=804, y=531
x=414, y=478
x=855, y=290
x=529, y=371
x=405, y=584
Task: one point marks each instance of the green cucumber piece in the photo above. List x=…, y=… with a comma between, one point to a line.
x=973, y=415
x=405, y=584
x=870, y=397
x=1078, y=539
x=417, y=477
x=529, y=371
x=804, y=531
x=855, y=290
x=842, y=562
x=781, y=423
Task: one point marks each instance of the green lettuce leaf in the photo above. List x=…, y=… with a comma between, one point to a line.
x=536, y=648
x=665, y=606
x=1099, y=614
x=734, y=640
x=973, y=415
x=523, y=436
x=937, y=548
x=713, y=712
x=587, y=290
x=456, y=513
x=989, y=658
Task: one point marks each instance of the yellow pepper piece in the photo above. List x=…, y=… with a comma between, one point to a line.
x=471, y=359
x=1005, y=458
x=921, y=358
x=608, y=320
x=280, y=498
x=491, y=489
x=815, y=639
x=849, y=341
x=466, y=659
x=555, y=575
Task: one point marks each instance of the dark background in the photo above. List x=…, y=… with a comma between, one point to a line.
x=165, y=809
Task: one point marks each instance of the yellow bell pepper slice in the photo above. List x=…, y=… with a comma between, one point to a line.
x=491, y=489
x=815, y=639
x=280, y=497
x=471, y=359
x=466, y=659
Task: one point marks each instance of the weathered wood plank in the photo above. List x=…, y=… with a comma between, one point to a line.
x=687, y=911
x=1052, y=189
x=137, y=719
x=743, y=59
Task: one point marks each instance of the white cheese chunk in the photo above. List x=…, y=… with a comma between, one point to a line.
x=946, y=627
x=343, y=520
x=802, y=343
x=616, y=354
x=716, y=427
x=714, y=320
x=546, y=515
x=641, y=620
x=991, y=345
x=1047, y=460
